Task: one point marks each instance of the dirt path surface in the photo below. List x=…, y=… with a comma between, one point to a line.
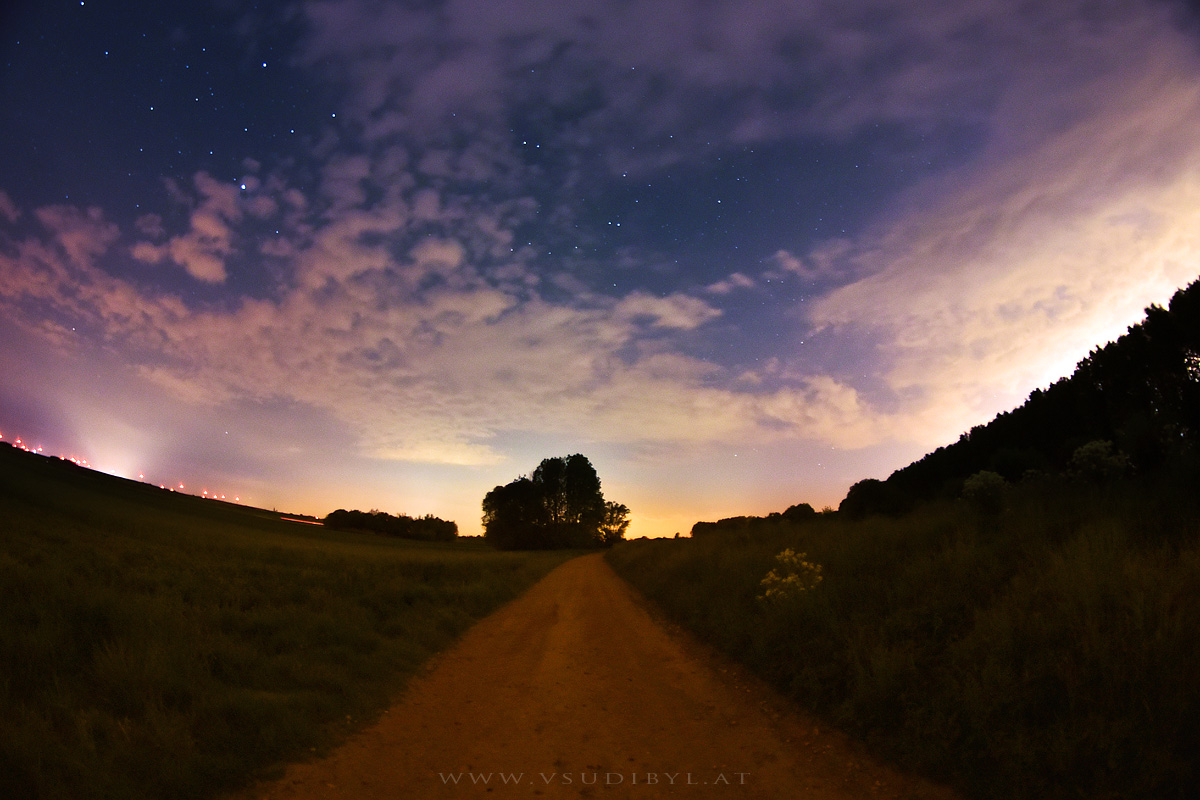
x=574, y=690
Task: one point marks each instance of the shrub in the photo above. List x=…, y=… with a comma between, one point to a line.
x=1099, y=462
x=793, y=576
x=986, y=491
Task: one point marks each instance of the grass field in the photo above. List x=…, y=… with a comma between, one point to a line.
x=1051, y=650
x=157, y=645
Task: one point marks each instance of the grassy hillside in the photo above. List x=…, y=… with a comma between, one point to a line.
x=1046, y=647
x=157, y=645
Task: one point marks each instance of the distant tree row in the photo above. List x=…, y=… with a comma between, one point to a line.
x=1133, y=404
x=428, y=528
x=559, y=506
x=801, y=512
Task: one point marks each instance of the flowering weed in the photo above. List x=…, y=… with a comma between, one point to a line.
x=794, y=576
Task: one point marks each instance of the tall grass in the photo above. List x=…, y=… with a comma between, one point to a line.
x=154, y=645
x=1050, y=651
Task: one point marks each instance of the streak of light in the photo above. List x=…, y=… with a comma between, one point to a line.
x=21, y=444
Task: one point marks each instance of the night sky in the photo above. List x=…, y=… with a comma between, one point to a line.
x=740, y=253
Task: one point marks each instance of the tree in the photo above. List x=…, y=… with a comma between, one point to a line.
x=800, y=512
x=559, y=505
x=550, y=479
x=1140, y=392
x=514, y=517
x=581, y=493
x=616, y=522
x=428, y=528
x=873, y=496
x=571, y=494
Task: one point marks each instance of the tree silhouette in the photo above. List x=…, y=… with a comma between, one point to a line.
x=1140, y=392
x=800, y=512
x=560, y=505
x=514, y=517
x=428, y=528
x=616, y=522
x=873, y=496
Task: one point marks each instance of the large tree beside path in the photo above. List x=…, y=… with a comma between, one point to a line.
x=559, y=505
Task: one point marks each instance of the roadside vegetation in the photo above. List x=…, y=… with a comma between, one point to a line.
x=157, y=645
x=1050, y=650
x=1014, y=614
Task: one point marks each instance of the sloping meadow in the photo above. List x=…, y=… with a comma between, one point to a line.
x=1049, y=650
x=155, y=645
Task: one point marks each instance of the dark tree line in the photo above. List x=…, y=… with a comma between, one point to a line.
x=801, y=512
x=428, y=528
x=1140, y=393
x=559, y=506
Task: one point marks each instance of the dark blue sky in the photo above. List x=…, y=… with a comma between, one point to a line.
x=104, y=99
x=742, y=254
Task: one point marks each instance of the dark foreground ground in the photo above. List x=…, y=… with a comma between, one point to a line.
x=574, y=690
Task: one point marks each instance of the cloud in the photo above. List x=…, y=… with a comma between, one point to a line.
x=827, y=261
x=677, y=311
x=204, y=250
x=731, y=284
x=681, y=73
x=418, y=369
x=996, y=279
x=82, y=235
x=438, y=255
x=8, y=209
x=644, y=84
x=50, y=281
x=151, y=225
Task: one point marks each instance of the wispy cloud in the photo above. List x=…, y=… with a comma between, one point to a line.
x=415, y=349
x=997, y=278
x=683, y=74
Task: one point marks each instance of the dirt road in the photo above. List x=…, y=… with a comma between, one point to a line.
x=575, y=691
